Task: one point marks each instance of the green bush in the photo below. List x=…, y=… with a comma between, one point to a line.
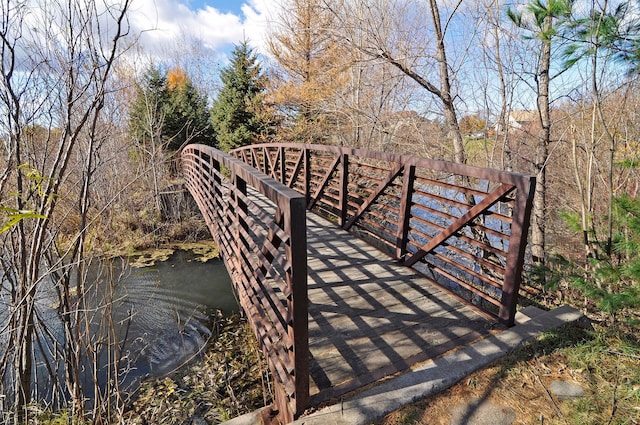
x=612, y=282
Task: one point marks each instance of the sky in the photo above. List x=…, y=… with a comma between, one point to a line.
x=218, y=24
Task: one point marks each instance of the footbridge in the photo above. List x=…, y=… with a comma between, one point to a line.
x=352, y=265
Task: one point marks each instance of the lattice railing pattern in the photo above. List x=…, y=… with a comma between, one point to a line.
x=262, y=240
x=463, y=227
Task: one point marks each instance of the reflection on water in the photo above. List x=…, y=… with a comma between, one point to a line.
x=161, y=315
x=166, y=310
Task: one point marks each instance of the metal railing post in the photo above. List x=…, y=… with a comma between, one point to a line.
x=408, y=177
x=298, y=302
x=343, y=201
x=515, y=257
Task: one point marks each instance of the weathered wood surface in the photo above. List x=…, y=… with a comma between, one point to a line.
x=370, y=317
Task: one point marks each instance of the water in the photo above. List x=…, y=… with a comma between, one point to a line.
x=161, y=315
x=166, y=310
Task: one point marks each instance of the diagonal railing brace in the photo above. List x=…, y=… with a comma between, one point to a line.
x=460, y=222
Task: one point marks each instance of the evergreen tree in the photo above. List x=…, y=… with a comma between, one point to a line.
x=169, y=112
x=187, y=115
x=236, y=115
x=613, y=282
x=146, y=116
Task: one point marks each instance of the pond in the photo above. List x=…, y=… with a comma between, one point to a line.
x=167, y=310
x=162, y=316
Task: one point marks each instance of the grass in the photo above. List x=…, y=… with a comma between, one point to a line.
x=602, y=361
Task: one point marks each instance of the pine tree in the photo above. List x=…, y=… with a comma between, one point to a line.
x=613, y=282
x=146, y=113
x=236, y=114
x=169, y=111
x=187, y=115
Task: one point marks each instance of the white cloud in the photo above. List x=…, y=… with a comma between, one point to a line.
x=164, y=22
x=258, y=15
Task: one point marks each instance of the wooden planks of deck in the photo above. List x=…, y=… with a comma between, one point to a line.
x=370, y=317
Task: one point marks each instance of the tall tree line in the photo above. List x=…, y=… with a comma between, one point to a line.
x=409, y=72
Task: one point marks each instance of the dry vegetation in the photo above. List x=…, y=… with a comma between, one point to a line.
x=226, y=382
x=521, y=381
x=604, y=362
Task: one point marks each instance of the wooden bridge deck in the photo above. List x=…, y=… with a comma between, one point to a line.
x=332, y=313
x=370, y=317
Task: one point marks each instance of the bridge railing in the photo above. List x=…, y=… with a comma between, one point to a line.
x=463, y=227
x=263, y=243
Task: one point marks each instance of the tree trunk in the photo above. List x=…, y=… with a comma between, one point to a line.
x=445, y=87
x=542, y=151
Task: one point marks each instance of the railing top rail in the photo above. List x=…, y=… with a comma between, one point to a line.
x=516, y=179
x=268, y=186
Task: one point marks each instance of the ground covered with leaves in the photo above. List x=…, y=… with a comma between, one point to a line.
x=228, y=381
x=605, y=362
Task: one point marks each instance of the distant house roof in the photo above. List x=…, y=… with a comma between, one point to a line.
x=519, y=119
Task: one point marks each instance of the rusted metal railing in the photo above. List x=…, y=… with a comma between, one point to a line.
x=463, y=227
x=265, y=251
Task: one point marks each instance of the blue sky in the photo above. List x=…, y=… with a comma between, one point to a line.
x=224, y=6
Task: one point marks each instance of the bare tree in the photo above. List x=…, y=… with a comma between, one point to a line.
x=595, y=36
x=395, y=32
x=56, y=61
x=497, y=81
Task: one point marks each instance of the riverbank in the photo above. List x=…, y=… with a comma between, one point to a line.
x=229, y=380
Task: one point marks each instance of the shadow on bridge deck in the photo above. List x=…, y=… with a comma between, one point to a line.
x=364, y=316
x=370, y=317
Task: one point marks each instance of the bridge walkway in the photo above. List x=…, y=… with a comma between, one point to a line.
x=331, y=312
x=370, y=317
